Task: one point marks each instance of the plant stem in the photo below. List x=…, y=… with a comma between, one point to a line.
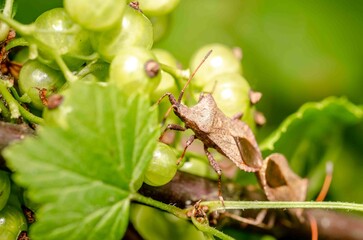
x=8, y=8
x=177, y=74
x=165, y=207
x=92, y=57
x=24, y=30
x=216, y=205
x=205, y=228
x=92, y=67
x=17, y=42
x=4, y=28
x=4, y=111
x=179, y=213
x=16, y=95
x=70, y=77
x=16, y=106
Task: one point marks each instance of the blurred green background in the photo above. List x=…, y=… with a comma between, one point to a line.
x=293, y=52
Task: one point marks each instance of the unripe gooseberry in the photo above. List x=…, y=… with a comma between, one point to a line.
x=221, y=61
x=162, y=167
x=135, y=70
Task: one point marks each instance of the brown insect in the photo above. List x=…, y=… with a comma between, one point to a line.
x=229, y=136
x=43, y=95
x=52, y=101
x=280, y=183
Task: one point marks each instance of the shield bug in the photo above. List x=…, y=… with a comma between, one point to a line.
x=231, y=137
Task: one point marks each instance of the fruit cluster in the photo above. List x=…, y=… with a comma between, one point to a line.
x=110, y=42
x=12, y=219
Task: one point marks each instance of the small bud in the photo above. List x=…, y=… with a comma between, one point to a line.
x=255, y=97
x=152, y=68
x=259, y=118
x=237, y=52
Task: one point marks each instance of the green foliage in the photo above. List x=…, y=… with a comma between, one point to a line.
x=312, y=136
x=93, y=148
x=315, y=119
x=84, y=171
x=293, y=51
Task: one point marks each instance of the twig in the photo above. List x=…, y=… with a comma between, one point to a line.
x=186, y=189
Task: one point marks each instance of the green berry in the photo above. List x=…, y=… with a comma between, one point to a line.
x=221, y=61
x=56, y=30
x=134, y=30
x=162, y=167
x=95, y=15
x=135, y=70
x=157, y=8
x=34, y=77
x=12, y=222
x=231, y=93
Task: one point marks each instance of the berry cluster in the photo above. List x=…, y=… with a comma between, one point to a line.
x=110, y=42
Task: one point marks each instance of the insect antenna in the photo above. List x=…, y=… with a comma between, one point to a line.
x=191, y=76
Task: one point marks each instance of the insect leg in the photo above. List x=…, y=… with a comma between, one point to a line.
x=166, y=115
x=258, y=221
x=43, y=95
x=218, y=170
x=237, y=116
x=172, y=101
x=187, y=144
x=171, y=126
x=162, y=97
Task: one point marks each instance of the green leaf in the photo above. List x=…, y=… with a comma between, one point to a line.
x=312, y=136
x=83, y=166
x=334, y=110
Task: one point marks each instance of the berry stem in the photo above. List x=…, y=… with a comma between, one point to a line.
x=70, y=77
x=17, y=42
x=24, y=30
x=15, y=107
x=8, y=8
x=4, y=111
x=180, y=213
x=4, y=28
x=91, y=67
x=206, y=229
x=178, y=74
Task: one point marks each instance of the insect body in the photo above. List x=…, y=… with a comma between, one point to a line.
x=229, y=136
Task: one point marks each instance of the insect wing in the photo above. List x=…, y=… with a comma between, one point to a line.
x=250, y=154
x=249, y=160
x=280, y=183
